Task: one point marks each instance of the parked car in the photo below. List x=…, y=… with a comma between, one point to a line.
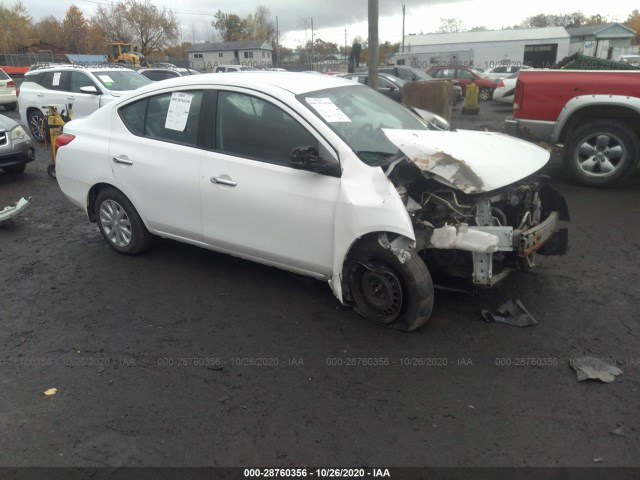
x=16, y=149
x=81, y=90
x=388, y=85
x=412, y=74
x=8, y=97
x=504, y=71
x=465, y=75
x=156, y=74
x=232, y=68
x=505, y=90
x=316, y=175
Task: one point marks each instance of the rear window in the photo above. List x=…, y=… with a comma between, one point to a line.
x=120, y=80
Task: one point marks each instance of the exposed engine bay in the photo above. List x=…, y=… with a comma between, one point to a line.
x=481, y=236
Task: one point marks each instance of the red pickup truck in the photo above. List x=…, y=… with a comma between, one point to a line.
x=594, y=114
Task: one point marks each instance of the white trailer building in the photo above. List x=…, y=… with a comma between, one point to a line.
x=537, y=47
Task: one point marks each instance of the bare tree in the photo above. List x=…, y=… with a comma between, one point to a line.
x=450, y=25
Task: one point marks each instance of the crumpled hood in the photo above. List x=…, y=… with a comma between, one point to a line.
x=474, y=162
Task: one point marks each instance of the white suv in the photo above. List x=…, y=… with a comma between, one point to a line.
x=80, y=90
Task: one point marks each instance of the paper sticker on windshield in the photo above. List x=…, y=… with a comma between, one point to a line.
x=328, y=110
x=105, y=78
x=56, y=79
x=178, y=111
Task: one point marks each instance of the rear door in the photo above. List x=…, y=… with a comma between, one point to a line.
x=155, y=160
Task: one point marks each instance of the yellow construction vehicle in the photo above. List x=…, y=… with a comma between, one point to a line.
x=125, y=53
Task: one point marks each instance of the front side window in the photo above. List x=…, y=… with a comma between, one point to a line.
x=464, y=74
x=79, y=80
x=172, y=117
x=251, y=127
x=358, y=115
x=121, y=80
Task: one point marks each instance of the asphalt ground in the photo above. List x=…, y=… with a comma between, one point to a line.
x=186, y=357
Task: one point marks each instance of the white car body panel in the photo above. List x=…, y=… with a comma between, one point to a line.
x=471, y=161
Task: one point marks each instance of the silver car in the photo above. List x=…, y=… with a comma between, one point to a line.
x=16, y=149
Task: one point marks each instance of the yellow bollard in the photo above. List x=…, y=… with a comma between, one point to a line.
x=471, y=100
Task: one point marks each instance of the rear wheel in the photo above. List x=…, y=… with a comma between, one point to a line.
x=35, y=119
x=601, y=153
x=120, y=224
x=485, y=94
x=388, y=292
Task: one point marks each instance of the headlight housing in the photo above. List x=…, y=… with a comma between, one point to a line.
x=18, y=133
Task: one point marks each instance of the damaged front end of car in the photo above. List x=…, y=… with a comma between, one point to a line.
x=478, y=205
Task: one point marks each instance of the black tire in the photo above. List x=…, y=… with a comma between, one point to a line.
x=485, y=94
x=35, y=125
x=601, y=153
x=11, y=106
x=51, y=170
x=120, y=224
x=15, y=169
x=387, y=292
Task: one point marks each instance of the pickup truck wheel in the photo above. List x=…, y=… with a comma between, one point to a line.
x=485, y=94
x=601, y=153
x=35, y=119
x=120, y=224
x=390, y=293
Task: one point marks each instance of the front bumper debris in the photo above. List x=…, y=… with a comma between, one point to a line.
x=12, y=210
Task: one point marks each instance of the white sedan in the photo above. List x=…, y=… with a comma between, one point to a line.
x=315, y=175
x=505, y=91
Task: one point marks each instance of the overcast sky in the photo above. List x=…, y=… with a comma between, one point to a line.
x=332, y=17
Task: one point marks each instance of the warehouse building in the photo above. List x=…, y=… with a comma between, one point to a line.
x=537, y=47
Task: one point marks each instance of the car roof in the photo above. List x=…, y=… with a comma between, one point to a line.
x=296, y=83
x=96, y=69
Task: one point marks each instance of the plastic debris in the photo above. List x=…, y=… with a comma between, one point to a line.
x=51, y=391
x=589, y=368
x=618, y=431
x=510, y=313
x=12, y=210
x=598, y=460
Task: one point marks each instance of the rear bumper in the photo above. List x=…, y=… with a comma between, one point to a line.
x=529, y=129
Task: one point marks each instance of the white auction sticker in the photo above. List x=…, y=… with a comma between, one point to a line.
x=56, y=79
x=105, y=78
x=178, y=111
x=328, y=110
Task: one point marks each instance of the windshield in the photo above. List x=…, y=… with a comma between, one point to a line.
x=120, y=80
x=357, y=114
x=420, y=75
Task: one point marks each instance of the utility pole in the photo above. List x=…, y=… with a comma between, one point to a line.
x=312, y=45
x=345, y=45
x=278, y=43
x=373, y=44
x=403, y=12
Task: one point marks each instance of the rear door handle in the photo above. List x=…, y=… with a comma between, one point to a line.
x=122, y=160
x=223, y=181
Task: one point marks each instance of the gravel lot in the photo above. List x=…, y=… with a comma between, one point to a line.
x=185, y=357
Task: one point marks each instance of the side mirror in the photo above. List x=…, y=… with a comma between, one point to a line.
x=89, y=89
x=307, y=158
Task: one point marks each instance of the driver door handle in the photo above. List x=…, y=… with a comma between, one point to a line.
x=223, y=181
x=122, y=160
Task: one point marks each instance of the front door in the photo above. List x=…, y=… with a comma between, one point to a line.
x=254, y=204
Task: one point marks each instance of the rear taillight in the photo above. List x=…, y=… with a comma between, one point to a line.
x=64, y=139
x=17, y=91
x=518, y=96
x=11, y=84
x=500, y=84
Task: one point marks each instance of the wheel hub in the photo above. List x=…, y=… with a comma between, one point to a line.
x=378, y=292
